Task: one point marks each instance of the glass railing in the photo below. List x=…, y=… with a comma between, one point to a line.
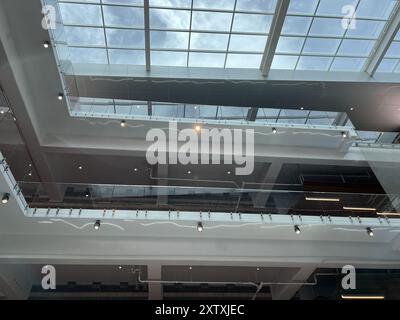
x=235, y=200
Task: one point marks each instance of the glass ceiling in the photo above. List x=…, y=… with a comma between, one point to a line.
x=313, y=37
x=226, y=33
x=198, y=33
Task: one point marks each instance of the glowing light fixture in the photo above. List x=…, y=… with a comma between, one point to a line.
x=5, y=198
x=323, y=199
x=358, y=209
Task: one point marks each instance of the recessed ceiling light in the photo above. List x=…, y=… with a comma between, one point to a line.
x=200, y=227
x=229, y=172
x=274, y=130
x=136, y=169
x=189, y=172
x=297, y=229
x=323, y=199
x=30, y=173
x=258, y=269
x=190, y=268
x=358, y=209
x=370, y=232
x=395, y=214
x=46, y=44
x=5, y=198
x=60, y=96
x=120, y=267
x=123, y=123
x=351, y=109
x=80, y=167
x=360, y=297
x=97, y=225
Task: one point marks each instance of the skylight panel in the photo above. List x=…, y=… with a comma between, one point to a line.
x=366, y=29
x=373, y=9
x=348, y=64
x=321, y=46
x=81, y=14
x=329, y=44
x=167, y=58
x=294, y=25
x=129, y=57
x=124, y=2
x=209, y=41
x=388, y=65
x=214, y=4
x=303, y=7
x=210, y=60
x=327, y=27
x=355, y=47
x=262, y=6
x=123, y=17
x=314, y=63
x=88, y=55
x=235, y=60
x=169, y=19
x=121, y=38
x=244, y=22
x=334, y=8
x=284, y=62
x=169, y=40
x=81, y=36
x=211, y=21
x=291, y=45
x=247, y=43
x=171, y=3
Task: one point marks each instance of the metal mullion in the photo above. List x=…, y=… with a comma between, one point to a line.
x=325, y=37
x=170, y=30
x=146, y=12
x=190, y=34
x=264, y=13
x=230, y=33
x=308, y=32
x=306, y=15
x=320, y=55
x=343, y=37
x=104, y=30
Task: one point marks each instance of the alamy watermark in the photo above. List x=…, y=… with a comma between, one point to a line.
x=202, y=146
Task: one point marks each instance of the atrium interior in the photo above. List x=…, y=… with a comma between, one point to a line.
x=199, y=149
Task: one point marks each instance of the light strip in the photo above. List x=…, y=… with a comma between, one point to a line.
x=323, y=199
x=388, y=214
x=346, y=297
x=359, y=209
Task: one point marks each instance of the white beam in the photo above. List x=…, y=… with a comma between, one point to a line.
x=274, y=35
x=384, y=42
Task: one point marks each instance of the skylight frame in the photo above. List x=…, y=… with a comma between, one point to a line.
x=229, y=54
x=337, y=56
